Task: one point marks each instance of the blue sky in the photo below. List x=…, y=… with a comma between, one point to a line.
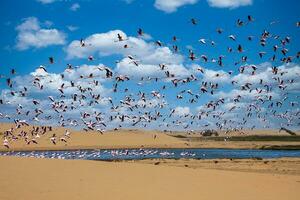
x=102, y=16
x=161, y=20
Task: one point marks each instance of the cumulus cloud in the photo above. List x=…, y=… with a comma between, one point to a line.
x=31, y=34
x=51, y=83
x=290, y=80
x=151, y=103
x=291, y=72
x=264, y=74
x=255, y=102
x=229, y=3
x=182, y=111
x=105, y=44
x=126, y=67
x=216, y=76
x=246, y=95
x=145, y=56
x=172, y=5
x=227, y=114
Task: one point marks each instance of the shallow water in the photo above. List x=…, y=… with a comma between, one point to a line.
x=137, y=154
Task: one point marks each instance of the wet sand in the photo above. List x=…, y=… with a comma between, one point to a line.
x=285, y=166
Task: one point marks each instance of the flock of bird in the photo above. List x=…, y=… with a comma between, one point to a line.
x=143, y=108
x=104, y=154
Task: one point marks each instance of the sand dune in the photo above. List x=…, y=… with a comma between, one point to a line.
x=93, y=139
x=131, y=139
x=30, y=178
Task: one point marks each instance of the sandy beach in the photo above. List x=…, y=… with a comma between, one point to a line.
x=30, y=178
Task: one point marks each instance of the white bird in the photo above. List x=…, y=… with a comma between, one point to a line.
x=232, y=37
x=203, y=41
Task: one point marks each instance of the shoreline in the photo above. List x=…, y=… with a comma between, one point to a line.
x=283, y=165
x=274, y=147
x=217, y=145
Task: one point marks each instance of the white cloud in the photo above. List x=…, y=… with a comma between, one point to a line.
x=147, y=55
x=229, y=3
x=291, y=72
x=75, y=7
x=30, y=24
x=182, y=111
x=237, y=105
x=264, y=73
x=125, y=67
x=219, y=76
x=51, y=83
x=226, y=112
x=46, y=1
x=146, y=36
x=30, y=34
x=85, y=70
x=105, y=44
x=170, y=6
x=246, y=95
x=151, y=103
x=101, y=43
